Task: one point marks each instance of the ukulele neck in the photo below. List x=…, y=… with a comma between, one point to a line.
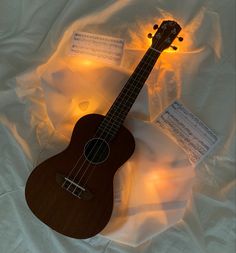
x=123, y=103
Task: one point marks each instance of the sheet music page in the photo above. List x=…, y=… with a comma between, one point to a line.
x=188, y=131
x=103, y=48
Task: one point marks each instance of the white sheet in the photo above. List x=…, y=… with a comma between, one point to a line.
x=201, y=73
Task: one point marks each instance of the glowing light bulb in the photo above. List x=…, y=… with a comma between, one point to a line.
x=87, y=62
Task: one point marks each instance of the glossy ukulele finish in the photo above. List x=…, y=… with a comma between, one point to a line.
x=72, y=192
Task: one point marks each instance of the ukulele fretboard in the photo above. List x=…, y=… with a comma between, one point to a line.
x=123, y=103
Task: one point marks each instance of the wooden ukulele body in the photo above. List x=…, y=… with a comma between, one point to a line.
x=59, y=208
x=80, y=204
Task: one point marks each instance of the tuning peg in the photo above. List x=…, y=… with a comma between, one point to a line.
x=180, y=38
x=155, y=26
x=149, y=35
x=174, y=47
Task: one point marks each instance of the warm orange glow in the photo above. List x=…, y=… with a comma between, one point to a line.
x=87, y=62
x=171, y=61
x=162, y=181
x=140, y=41
x=76, y=62
x=81, y=108
x=168, y=79
x=159, y=177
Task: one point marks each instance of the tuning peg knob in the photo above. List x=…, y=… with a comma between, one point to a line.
x=149, y=35
x=155, y=26
x=174, y=47
x=180, y=38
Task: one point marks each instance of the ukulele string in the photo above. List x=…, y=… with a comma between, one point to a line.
x=90, y=174
x=150, y=56
x=98, y=149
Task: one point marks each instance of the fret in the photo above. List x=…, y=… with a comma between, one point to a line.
x=133, y=90
x=115, y=123
x=130, y=98
x=124, y=101
x=107, y=132
x=143, y=74
x=130, y=87
x=135, y=84
x=120, y=107
x=140, y=69
x=113, y=126
x=109, y=126
x=118, y=118
x=105, y=135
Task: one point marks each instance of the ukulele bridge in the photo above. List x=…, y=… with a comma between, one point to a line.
x=74, y=188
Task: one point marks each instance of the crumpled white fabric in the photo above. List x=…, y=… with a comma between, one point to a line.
x=151, y=189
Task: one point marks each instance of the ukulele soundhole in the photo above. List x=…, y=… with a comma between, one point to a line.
x=96, y=150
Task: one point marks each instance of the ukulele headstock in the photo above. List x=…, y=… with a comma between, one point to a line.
x=165, y=35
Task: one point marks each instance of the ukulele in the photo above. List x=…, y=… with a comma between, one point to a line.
x=72, y=192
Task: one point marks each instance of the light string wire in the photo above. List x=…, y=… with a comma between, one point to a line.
x=124, y=97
